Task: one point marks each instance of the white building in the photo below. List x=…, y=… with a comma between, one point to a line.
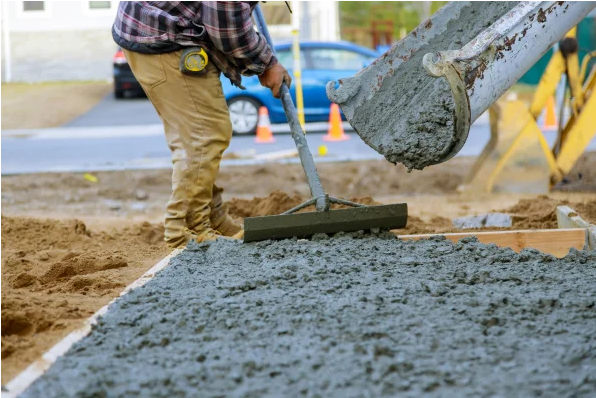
x=72, y=40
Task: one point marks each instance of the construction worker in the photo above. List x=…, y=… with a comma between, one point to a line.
x=153, y=35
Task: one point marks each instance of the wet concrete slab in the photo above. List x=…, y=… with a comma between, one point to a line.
x=352, y=316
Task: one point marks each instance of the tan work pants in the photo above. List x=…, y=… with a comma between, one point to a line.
x=198, y=130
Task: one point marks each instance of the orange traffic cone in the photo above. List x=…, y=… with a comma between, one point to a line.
x=264, y=134
x=550, y=117
x=336, y=129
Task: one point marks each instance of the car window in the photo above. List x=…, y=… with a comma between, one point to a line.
x=286, y=59
x=336, y=59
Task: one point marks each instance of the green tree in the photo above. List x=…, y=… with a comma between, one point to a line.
x=362, y=16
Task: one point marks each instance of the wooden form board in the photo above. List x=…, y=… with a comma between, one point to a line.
x=552, y=241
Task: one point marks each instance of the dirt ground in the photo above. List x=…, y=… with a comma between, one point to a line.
x=70, y=245
x=33, y=106
x=141, y=194
x=56, y=273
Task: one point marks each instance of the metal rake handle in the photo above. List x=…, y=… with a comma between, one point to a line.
x=308, y=164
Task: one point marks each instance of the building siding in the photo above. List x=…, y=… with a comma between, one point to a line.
x=61, y=55
x=70, y=42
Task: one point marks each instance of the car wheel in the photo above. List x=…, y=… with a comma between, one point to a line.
x=118, y=93
x=244, y=115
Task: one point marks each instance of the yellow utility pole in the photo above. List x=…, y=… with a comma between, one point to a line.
x=296, y=54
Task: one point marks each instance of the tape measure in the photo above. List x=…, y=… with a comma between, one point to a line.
x=193, y=61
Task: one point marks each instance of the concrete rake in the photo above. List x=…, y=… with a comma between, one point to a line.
x=323, y=220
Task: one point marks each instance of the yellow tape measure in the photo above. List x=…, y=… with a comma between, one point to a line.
x=193, y=61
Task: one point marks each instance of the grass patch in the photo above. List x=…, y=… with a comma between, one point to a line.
x=51, y=104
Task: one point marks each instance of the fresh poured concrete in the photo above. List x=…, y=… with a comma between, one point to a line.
x=352, y=316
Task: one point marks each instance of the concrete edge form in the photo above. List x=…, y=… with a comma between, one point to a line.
x=556, y=242
x=24, y=379
x=569, y=218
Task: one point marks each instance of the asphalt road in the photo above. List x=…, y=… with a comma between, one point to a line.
x=81, y=154
x=113, y=112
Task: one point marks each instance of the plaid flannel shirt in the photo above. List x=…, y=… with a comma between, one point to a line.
x=231, y=41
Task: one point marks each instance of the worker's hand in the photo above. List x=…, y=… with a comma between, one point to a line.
x=274, y=77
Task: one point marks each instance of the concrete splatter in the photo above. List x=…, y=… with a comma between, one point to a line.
x=352, y=316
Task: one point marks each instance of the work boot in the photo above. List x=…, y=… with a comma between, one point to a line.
x=219, y=217
x=228, y=226
x=182, y=239
x=210, y=235
x=239, y=235
x=207, y=235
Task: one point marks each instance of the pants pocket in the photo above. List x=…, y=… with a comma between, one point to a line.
x=210, y=77
x=147, y=68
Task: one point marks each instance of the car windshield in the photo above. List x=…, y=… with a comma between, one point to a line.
x=286, y=59
x=338, y=59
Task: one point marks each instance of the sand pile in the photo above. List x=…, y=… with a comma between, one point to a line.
x=275, y=203
x=540, y=212
x=278, y=202
x=416, y=226
x=586, y=210
x=57, y=273
x=535, y=213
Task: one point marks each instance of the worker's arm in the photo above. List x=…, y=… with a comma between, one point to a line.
x=230, y=29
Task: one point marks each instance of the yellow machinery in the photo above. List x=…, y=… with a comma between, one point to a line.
x=517, y=156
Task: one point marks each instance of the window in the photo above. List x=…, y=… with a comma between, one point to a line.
x=34, y=6
x=286, y=58
x=335, y=59
x=100, y=5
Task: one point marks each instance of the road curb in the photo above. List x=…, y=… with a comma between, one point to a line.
x=142, y=130
x=166, y=163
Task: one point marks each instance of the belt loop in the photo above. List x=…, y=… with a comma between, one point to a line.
x=200, y=29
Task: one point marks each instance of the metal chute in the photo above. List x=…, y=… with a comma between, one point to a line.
x=415, y=104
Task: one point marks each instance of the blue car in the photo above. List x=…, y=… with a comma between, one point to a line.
x=321, y=62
